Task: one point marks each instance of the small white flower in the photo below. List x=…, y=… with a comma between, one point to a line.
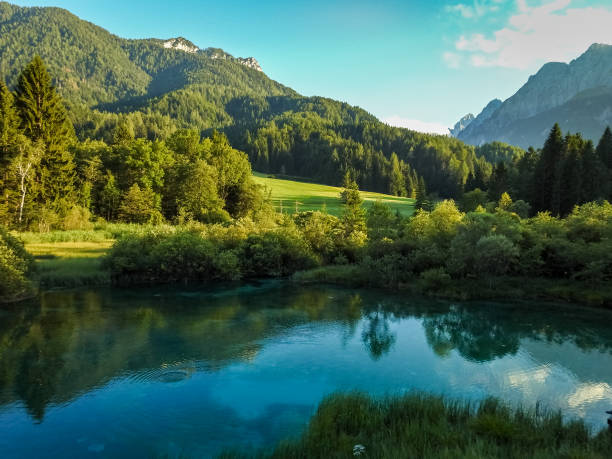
x=358, y=450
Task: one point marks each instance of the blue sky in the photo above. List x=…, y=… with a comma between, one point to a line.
x=422, y=64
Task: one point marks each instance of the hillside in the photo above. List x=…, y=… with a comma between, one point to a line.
x=159, y=85
x=576, y=95
x=305, y=196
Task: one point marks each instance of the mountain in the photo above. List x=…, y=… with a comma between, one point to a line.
x=156, y=86
x=576, y=95
x=93, y=68
x=461, y=124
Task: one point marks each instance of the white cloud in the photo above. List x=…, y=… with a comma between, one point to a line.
x=416, y=125
x=477, y=9
x=550, y=32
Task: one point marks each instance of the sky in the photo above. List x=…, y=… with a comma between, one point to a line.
x=421, y=64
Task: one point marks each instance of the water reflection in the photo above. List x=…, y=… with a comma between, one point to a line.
x=260, y=357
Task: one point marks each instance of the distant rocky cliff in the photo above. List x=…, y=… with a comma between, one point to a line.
x=182, y=44
x=575, y=95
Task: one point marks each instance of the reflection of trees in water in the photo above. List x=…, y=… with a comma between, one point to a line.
x=476, y=336
x=70, y=342
x=483, y=333
x=377, y=335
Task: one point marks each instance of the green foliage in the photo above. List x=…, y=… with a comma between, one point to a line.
x=16, y=267
x=416, y=425
x=139, y=206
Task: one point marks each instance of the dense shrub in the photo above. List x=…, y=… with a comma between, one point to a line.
x=16, y=265
x=213, y=255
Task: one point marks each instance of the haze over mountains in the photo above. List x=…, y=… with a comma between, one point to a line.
x=577, y=95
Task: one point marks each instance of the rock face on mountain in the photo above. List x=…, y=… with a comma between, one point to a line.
x=250, y=62
x=461, y=124
x=217, y=53
x=563, y=93
x=181, y=44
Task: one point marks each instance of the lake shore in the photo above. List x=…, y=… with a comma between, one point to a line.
x=425, y=426
x=70, y=264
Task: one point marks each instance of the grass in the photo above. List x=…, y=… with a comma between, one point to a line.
x=70, y=264
x=424, y=426
x=305, y=196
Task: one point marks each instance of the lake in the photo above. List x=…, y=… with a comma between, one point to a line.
x=192, y=372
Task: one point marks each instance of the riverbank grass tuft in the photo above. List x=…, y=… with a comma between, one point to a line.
x=426, y=426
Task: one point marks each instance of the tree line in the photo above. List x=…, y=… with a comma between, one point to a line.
x=51, y=180
x=567, y=171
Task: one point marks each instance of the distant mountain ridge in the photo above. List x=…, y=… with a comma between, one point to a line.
x=152, y=87
x=93, y=67
x=576, y=95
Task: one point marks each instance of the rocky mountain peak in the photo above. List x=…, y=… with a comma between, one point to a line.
x=250, y=62
x=462, y=124
x=181, y=44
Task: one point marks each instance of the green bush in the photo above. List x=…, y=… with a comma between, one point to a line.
x=276, y=253
x=16, y=265
x=183, y=255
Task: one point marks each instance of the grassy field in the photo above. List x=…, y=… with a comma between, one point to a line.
x=305, y=196
x=423, y=426
x=70, y=264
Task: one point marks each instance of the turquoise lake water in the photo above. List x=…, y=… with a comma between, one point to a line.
x=189, y=373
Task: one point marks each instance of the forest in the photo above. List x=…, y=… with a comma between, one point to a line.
x=539, y=214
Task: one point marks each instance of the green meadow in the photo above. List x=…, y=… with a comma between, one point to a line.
x=65, y=264
x=292, y=195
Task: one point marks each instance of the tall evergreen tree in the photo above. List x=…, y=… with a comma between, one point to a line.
x=397, y=185
x=421, y=195
x=593, y=178
x=568, y=190
x=9, y=132
x=44, y=120
x=604, y=151
x=526, y=166
x=9, y=122
x=604, y=148
x=545, y=177
x=498, y=183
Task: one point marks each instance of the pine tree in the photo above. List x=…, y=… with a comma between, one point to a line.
x=604, y=148
x=9, y=123
x=44, y=120
x=569, y=188
x=498, y=183
x=9, y=130
x=604, y=152
x=593, y=178
x=475, y=179
x=421, y=195
x=354, y=218
x=545, y=176
x=397, y=185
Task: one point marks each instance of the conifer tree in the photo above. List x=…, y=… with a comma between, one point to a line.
x=604, y=148
x=9, y=129
x=593, y=178
x=44, y=120
x=545, y=175
x=397, y=185
x=569, y=189
x=604, y=152
x=354, y=218
x=498, y=183
x=9, y=123
x=421, y=195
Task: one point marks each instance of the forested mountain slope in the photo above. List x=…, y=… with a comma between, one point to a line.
x=157, y=86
